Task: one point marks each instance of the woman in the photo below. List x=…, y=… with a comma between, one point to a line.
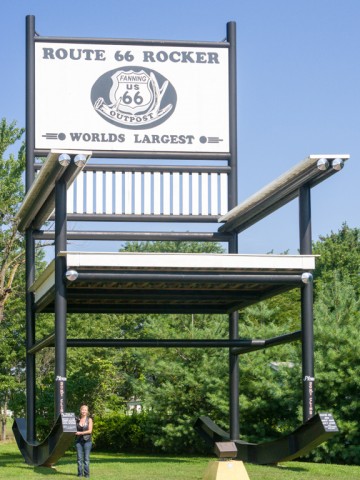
x=84, y=426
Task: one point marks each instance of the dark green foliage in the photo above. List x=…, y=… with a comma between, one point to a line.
x=179, y=384
x=337, y=360
x=11, y=264
x=116, y=432
x=339, y=254
x=173, y=246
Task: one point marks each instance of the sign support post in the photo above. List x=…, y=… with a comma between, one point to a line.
x=307, y=322
x=29, y=239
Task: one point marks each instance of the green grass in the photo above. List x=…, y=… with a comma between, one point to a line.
x=146, y=467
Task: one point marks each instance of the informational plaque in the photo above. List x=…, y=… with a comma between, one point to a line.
x=68, y=422
x=328, y=422
x=131, y=97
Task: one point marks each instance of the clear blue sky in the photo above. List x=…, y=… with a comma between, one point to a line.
x=298, y=85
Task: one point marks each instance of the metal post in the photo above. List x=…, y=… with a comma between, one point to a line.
x=30, y=100
x=30, y=339
x=231, y=37
x=307, y=308
x=234, y=378
x=234, y=369
x=60, y=298
x=305, y=220
x=233, y=243
x=29, y=239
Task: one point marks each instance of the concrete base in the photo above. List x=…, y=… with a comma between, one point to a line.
x=226, y=470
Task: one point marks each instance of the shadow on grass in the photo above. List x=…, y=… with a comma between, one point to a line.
x=114, y=458
x=51, y=471
x=290, y=469
x=10, y=459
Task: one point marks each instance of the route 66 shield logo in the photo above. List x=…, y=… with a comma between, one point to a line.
x=131, y=91
x=133, y=97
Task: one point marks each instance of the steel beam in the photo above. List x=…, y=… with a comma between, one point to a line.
x=188, y=277
x=29, y=240
x=307, y=308
x=60, y=299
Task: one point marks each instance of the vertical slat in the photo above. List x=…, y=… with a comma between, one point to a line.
x=118, y=193
x=223, y=193
x=167, y=193
x=128, y=192
x=157, y=193
x=89, y=202
x=147, y=193
x=99, y=194
x=185, y=194
x=137, y=193
x=214, y=194
x=70, y=199
x=176, y=194
x=194, y=194
x=204, y=194
x=109, y=192
x=79, y=202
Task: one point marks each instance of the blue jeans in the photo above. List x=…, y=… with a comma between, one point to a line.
x=83, y=457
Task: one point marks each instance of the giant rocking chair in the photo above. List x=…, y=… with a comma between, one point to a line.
x=77, y=189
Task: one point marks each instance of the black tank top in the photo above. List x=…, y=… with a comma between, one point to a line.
x=83, y=428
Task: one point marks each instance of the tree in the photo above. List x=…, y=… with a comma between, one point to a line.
x=179, y=384
x=174, y=383
x=270, y=379
x=103, y=378
x=337, y=354
x=11, y=194
x=173, y=246
x=339, y=255
x=12, y=355
x=11, y=257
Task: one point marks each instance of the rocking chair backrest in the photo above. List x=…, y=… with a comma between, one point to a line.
x=170, y=193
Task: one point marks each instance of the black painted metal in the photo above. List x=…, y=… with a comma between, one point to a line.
x=29, y=240
x=157, y=168
x=49, y=341
x=99, y=217
x=47, y=452
x=188, y=277
x=161, y=308
x=233, y=244
x=234, y=379
x=60, y=299
x=309, y=435
x=238, y=346
x=151, y=155
x=30, y=101
x=127, y=41
x=30, y=338
x=305, y=220
x=270, y=342
x=307, y=352
x=137, y=236
x=157, y=343
x=231, y=37
x=307, y=308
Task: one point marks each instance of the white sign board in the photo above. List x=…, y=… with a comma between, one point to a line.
x=141, y=98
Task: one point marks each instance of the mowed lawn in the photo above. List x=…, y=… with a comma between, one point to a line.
x=158, y=467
